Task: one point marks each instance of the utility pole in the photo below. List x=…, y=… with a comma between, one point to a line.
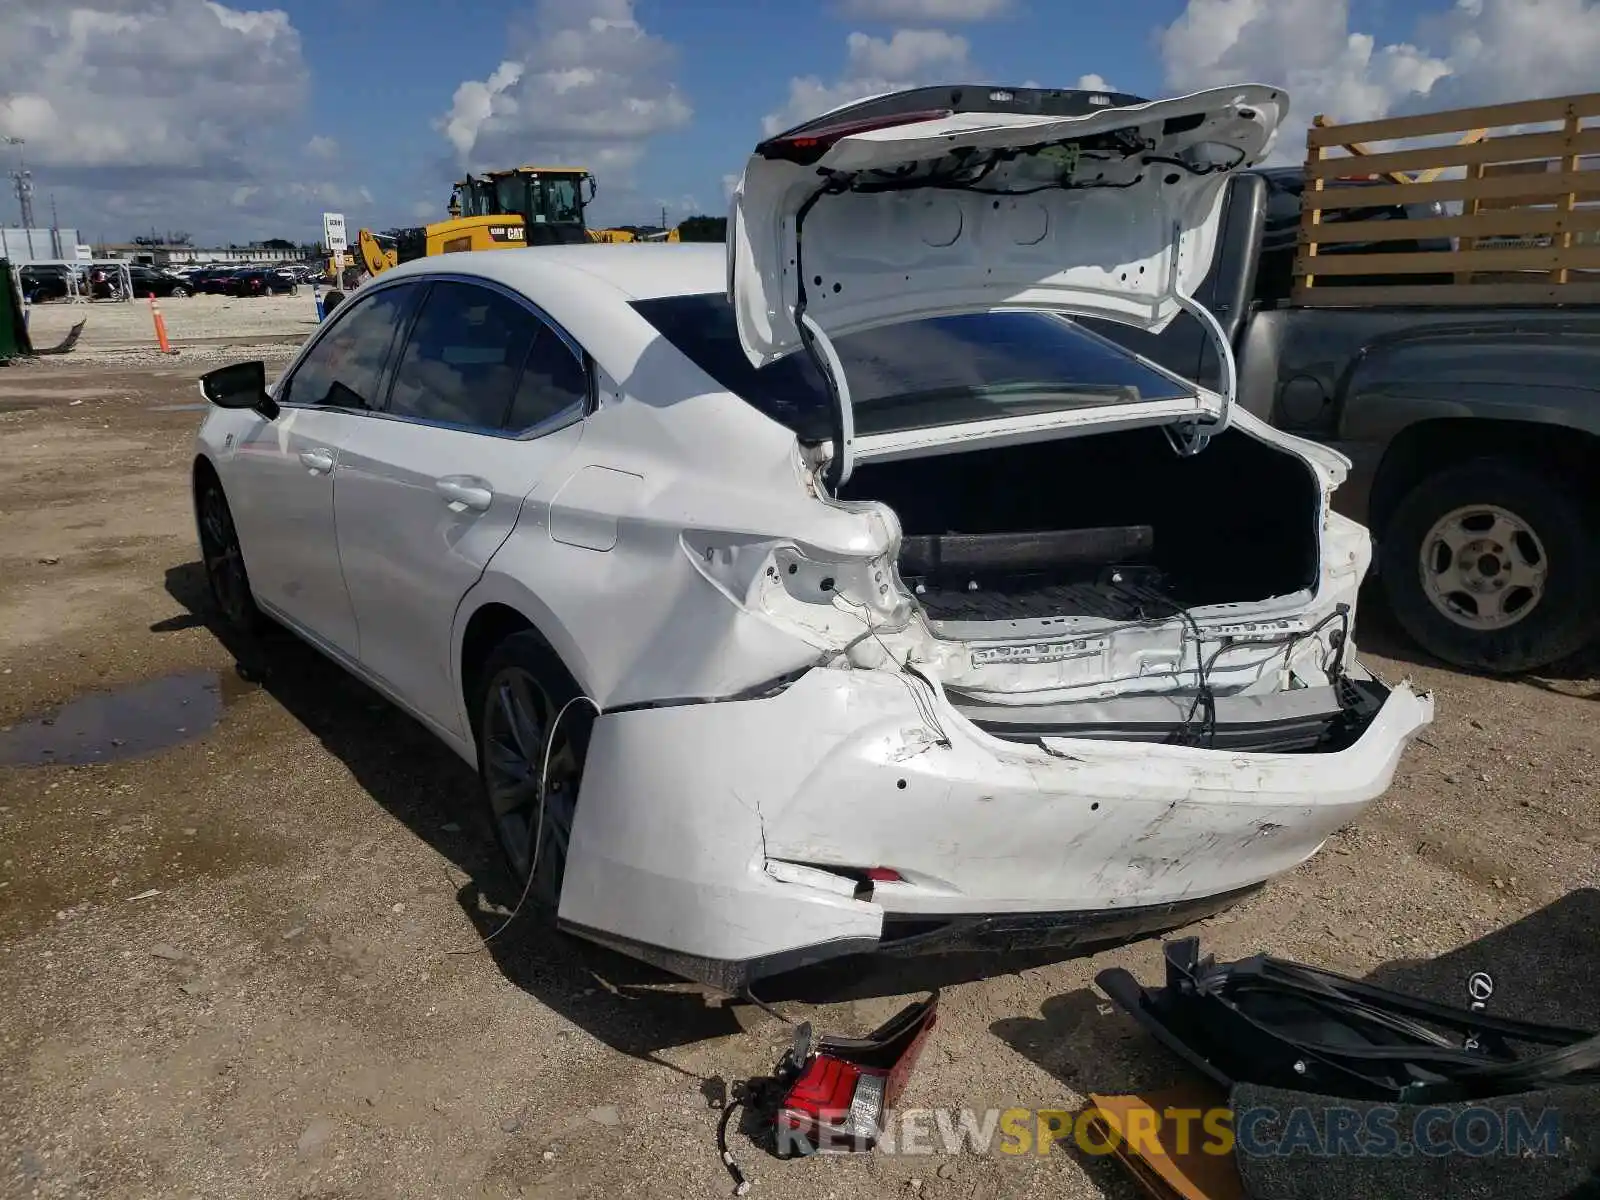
x=22, y=182
x=663, y=216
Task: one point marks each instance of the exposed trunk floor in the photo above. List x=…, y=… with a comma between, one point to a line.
x=1115, y=602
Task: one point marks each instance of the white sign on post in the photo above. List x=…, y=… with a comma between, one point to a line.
x=333, y=235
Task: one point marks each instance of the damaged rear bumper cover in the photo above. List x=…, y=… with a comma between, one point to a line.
x=857, y=810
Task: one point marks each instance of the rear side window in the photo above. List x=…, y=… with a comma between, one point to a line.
x=553, y=381
x=922, y=373
x=702, y=328
x=344, y=368
x=463, y=359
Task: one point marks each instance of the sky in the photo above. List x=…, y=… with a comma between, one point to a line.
x=234, y=123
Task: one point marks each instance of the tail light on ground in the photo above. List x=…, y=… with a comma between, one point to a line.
x=829, y=1095
x=835, y=1091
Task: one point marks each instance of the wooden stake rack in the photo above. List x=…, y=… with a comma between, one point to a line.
x=1520, y=185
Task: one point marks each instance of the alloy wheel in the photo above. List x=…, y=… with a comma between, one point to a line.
x=516, y=724
x=224, y=561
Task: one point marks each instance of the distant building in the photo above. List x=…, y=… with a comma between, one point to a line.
x=38, y=245
x=168, y=256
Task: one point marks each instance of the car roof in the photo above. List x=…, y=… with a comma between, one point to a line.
x=628, y=270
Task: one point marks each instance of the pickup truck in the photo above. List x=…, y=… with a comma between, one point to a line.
x=1473, y=432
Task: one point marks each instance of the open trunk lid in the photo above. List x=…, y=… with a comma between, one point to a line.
x=957, y=199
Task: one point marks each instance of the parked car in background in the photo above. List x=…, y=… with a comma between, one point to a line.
x=890, y=611
x=212, y=281
x=106, y=282
x=260, y=282
x=47, y=281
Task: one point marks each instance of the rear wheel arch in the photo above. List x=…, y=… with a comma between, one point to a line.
x=488, y=627
x=1428, y=447
x=536, y=693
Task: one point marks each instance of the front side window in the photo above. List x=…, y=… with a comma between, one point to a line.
x=919, y=374
x=345, y=367
x=463, y=360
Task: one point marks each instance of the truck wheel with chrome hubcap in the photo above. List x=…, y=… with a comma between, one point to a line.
x=1490, y=566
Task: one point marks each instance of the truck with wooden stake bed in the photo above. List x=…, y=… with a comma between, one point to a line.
x=1424, y=296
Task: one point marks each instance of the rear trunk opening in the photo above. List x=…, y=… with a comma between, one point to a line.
x=1101, y=525
x=1118, y=526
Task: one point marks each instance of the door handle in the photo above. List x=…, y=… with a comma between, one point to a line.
x=465, y=490
x=318, y=462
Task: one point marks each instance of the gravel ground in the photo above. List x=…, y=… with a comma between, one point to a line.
x=234, y=966
x=113, y=328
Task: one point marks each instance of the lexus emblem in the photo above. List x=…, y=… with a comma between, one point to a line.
x=1480, y=987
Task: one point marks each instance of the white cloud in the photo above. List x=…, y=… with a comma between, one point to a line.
x=582, y=82
x=177, y=84
x=873, y=66
x=1475, y=52
x=906, y=52
x=913, y=11
x=1092, y=83
x=141, y=113
x=322, y=147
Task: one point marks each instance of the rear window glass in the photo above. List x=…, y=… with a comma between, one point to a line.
x=923, y=373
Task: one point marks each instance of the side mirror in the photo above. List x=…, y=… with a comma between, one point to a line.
x=241, y=385
x=591, y=186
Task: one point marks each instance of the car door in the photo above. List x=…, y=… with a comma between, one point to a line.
x=487, y=397
x=282, y=473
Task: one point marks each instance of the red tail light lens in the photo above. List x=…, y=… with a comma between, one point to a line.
x=834, y=1105
x=808, y=144
x=837, y=1101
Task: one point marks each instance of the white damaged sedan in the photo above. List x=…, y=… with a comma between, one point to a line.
x=836, y=591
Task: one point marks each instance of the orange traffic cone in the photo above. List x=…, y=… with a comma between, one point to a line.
x=161, y=327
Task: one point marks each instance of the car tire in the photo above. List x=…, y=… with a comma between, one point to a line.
x=180, y=293
x=227, y=579
x=521, y=689
x=1492, y=567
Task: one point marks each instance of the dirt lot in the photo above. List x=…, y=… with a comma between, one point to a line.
x=113, y=328
x=232, y=967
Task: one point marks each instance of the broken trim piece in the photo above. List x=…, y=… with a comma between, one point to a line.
x=727, y=975
x=1276, y=722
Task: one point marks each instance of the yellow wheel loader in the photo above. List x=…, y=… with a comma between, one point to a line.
x=525, y=206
